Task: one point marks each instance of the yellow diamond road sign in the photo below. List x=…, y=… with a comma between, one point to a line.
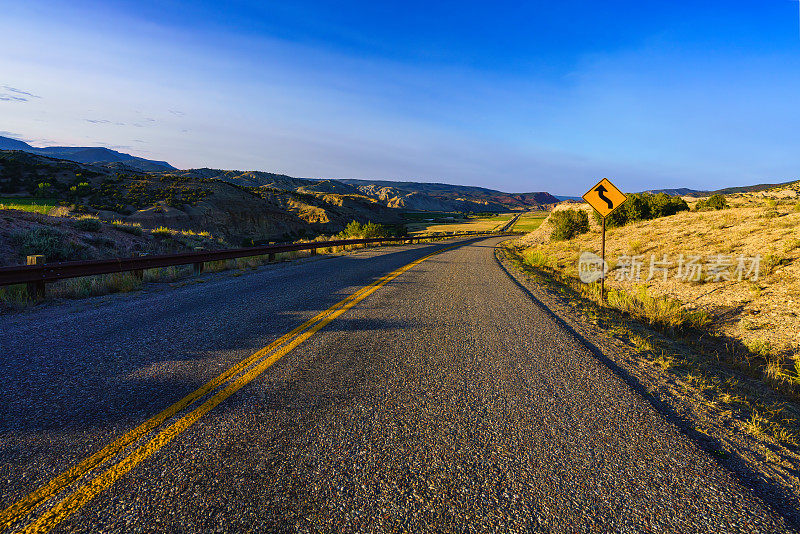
x=604, y=197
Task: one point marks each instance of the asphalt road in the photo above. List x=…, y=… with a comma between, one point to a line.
x=445, y=401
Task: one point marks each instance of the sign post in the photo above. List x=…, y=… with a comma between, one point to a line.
x=604, y=198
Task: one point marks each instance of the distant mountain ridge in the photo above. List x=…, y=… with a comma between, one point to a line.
x=422, y=196
x=92, y=155
x=433, y=196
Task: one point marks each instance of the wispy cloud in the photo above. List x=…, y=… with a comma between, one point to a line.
x=12, y=94
x=20, y=91
x=178, y=113
x=106, y=121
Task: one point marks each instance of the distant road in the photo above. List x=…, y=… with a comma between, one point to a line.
x=510, y=224
x=439, y=398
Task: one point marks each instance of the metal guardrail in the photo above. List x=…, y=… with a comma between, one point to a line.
x=39, y=273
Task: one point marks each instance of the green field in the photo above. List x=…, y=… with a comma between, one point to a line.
x=471, y=224
x=530, y=221
x=36, y=205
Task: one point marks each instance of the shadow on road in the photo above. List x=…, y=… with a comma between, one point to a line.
x=119, y=363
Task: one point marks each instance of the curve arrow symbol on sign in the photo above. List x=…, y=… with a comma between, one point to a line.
x=601, y=193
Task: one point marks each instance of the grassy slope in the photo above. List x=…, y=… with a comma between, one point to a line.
x=746, y=356
x=763, y=310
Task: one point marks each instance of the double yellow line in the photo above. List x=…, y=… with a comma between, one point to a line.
x=246, y=370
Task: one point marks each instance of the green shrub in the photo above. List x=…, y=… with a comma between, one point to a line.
x=568, y=223
x=644, y=206
x=43, y=189
x=356, y=230
x=88, y=224
x=714, y=202
x=52, y=243
x=79, y=189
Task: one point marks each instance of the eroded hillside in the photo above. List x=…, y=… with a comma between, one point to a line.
x=415, y=196
x=198, y=201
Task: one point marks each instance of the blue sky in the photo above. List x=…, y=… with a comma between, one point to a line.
x=515, y=96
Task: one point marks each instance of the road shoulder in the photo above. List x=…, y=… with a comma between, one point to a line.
x=769, y=468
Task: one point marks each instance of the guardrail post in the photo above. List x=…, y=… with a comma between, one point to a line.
x=139, y=273
x=271, y=257
x=197, y=267
x=313, y=252
x=36, y=289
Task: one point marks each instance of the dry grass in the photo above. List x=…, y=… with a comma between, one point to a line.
x=88, y=223
x=536, y=258
x=251, y=262
x=642, y=343
x=657, y=311
x=14, y=297
x=90, y=286
x=131, y=228
x=163, y=231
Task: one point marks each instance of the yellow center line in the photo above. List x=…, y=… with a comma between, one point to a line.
x=86, y=492
x=25, y=505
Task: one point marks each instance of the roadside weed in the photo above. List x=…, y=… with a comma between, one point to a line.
x=131, y=228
